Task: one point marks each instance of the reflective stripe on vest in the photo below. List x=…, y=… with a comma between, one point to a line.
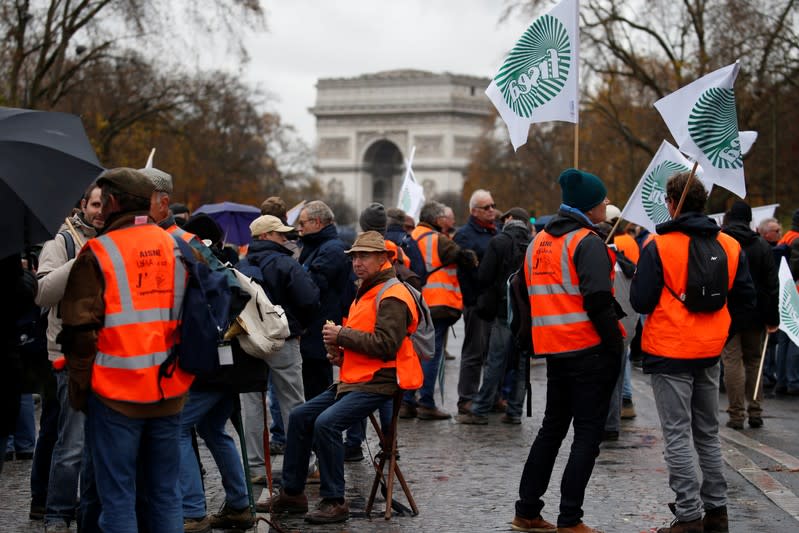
x=182, y=234
x=671, y=330
x=442, y=288
x=559, y=321
x=144, y=288
x=360, y=368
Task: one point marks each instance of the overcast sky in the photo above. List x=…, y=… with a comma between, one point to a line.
x=312, y=39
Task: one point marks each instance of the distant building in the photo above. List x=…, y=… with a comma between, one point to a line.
x=366, y=127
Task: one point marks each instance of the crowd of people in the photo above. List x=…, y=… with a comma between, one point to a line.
x=102, y=302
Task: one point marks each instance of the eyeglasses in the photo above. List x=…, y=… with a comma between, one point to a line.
x=486, y=207
x=301, y=223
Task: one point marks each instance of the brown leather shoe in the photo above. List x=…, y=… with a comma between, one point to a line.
x=431, y=413
x=284, y=503
x=694, y=526
x=407, y=410
x=715, y=520
x=532, y=525
x=578, y=528
x=329, y=512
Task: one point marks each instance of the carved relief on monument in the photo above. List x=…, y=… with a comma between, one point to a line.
x=335, y=148
x=429, y=145
x=364, y=139
x=335, y=187
x=463, y=146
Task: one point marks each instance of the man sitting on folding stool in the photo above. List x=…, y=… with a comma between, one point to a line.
x=376, y=357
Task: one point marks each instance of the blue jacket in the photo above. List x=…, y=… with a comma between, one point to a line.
x=323, y=258
x=472, y=236
x=285, y=282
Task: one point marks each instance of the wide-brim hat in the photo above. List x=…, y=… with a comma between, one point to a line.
x=369, y=241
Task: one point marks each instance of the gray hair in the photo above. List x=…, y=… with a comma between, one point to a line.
x=476, y=195
x=431, y=211
x=317, y=209
x=761, y=227
x=395, y=215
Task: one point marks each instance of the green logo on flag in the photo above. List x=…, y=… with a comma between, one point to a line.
x=536, y=69
x=714, y=128
x=405, y=200
x=653, y=192
x=789, y=308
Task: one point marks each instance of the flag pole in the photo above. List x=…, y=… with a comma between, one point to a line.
x=576, y=145
x=760, y=369
x=685, y=190
x=613, y=230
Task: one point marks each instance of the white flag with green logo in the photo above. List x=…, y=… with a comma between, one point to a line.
x=702, y=118
x=538, y=81
x=411, y=196
x=647, y=204
x=789, y=303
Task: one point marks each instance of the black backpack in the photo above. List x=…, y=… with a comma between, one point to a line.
x=708, y=280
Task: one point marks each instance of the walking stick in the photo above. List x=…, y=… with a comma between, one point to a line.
x=267, y=453
x=760, y=368
x=72, y=231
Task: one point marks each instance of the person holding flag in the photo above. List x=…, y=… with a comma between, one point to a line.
x=682, y=345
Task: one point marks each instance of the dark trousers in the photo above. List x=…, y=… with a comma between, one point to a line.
x=48, y=435
x=578, y=390
x=317, y=376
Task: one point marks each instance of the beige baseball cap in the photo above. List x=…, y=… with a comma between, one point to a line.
x=266, y=223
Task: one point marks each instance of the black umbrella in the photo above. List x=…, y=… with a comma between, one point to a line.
x=46, y=162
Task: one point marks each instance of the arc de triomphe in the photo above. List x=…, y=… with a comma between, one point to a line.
x=367, y=125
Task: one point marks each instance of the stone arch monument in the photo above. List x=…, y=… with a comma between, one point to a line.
x=367, y=125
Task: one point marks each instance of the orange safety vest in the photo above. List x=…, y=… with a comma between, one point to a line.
x=144, y=287
x=671, y=330
x=627, y=245
x=398, y=255
x=559, y=321
x=176, y=231
x=789, y=237
x=442, y=287
x=360, y=368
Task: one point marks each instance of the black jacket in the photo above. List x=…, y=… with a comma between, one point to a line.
x=504, y=255
x=472, y=236
x=648, y=285
x=323, y=258
x=285, y=282
x=593, y=266
x=765, y=276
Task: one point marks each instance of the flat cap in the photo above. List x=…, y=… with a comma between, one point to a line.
x=128, y=180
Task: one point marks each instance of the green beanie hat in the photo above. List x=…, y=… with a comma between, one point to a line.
x=581, y=190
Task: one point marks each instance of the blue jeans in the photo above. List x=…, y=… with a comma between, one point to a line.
x=118, y=443
x=517, y=394
x=317, y=425
x=627, y=386
x=278, y=432
x=89, y=511
x=209, y=412
x=24, y=438
x=430, y=369
x=787, y=362
x=500, y=344
x=62, y=488
x=43, y=455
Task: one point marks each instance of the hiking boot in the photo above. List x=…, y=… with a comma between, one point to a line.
x=277, y=448
x=755, y=422
x=694, y=526
x=431, y=413
x=532, y=525
x=230, y=518
x=36, y=512
x=578, y=528
x=508, y=419
x=407, y=410
x=465, y=407
x=627, y=409
x=715, y=520
x=735, y=424
x=284, y=503
x=193, y=525
x=329, y=512
x=353, y=454
x=473, y=419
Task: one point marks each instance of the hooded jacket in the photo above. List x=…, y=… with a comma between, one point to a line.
x=648, y=285
x=765, y=276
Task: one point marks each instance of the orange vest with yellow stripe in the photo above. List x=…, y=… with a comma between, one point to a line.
x=671, y=330
x=360, y=368
x=442, y=287
x=398, y=255
x=559, y=321
x=144, y=287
